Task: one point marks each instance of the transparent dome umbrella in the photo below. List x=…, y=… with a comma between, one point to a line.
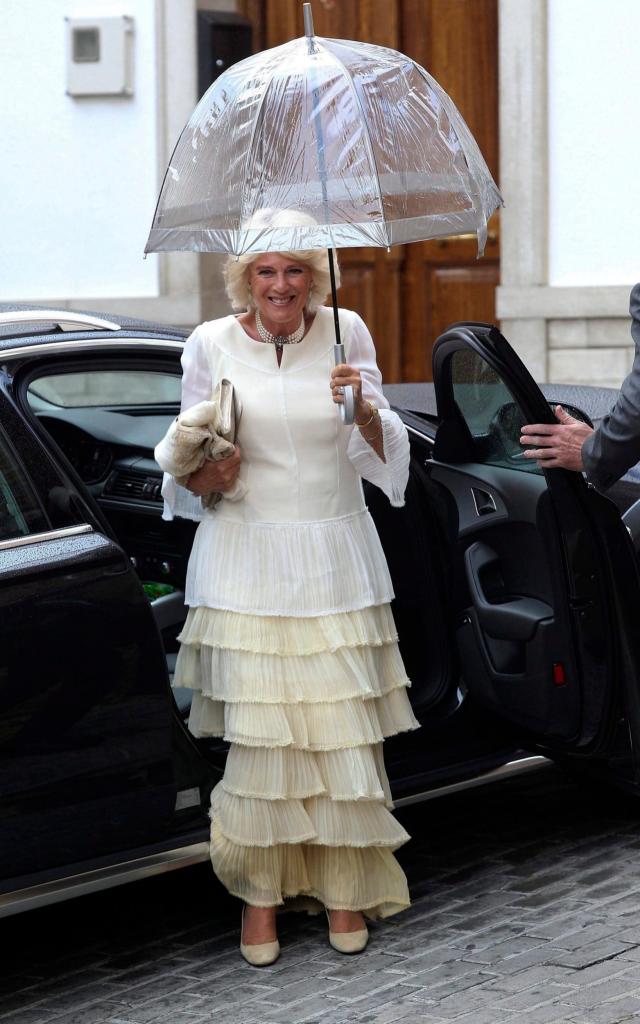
x=359, y=138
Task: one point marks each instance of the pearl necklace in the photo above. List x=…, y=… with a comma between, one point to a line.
x=279, y=339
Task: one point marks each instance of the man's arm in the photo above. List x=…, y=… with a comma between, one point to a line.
x=615, y=446
x=606, y=453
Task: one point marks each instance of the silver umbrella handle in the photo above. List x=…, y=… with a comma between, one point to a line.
x=348, y=406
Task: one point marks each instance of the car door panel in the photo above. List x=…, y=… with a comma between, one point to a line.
x=501, y=614
x=86, y=728
x=513, y=626
x=508, y=497
x=540, y=634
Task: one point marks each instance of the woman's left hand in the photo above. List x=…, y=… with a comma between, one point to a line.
x=343, y=376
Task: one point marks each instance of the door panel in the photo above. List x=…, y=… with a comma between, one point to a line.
x=540, y=636
x=85, y=752
x=446, y=280
x=86, y=756
x=489, y=497
x=457, y=42
x=514, y=636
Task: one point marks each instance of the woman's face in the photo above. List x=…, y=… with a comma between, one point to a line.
x=280, y=288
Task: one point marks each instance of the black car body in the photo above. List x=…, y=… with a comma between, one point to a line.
x=516, y=598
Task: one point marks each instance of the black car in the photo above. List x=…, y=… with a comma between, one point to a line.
x=517, y=594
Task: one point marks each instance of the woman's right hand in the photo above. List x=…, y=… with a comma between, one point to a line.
x=215, y=476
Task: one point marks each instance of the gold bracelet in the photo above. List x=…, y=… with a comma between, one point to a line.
x=374, y=412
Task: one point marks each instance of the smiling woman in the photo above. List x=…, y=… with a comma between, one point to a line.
x=280, y=287
x=289, y=645
x=278, y=294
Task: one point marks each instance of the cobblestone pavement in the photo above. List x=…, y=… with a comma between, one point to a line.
x=525, y=908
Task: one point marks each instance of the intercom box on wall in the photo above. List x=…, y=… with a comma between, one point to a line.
x=100, y=56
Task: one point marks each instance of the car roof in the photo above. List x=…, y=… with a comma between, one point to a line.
x=33, y=325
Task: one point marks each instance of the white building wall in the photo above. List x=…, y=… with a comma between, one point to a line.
x=78, y=176
x=569, y=156
x=594, y=142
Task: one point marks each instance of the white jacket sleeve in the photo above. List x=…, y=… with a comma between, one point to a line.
x=390, y=476
x=196, y=387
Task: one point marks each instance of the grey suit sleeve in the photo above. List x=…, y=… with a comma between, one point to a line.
x=615, y=446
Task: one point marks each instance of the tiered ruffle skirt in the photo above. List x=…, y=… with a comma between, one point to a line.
x=304, y=807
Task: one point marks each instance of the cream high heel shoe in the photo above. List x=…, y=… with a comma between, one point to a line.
x=347, y=942
x=258, y=954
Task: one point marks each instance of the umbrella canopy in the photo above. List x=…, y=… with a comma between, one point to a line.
x=358, y=137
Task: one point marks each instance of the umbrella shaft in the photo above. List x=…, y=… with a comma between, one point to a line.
x=308, y=21
x=334, y=300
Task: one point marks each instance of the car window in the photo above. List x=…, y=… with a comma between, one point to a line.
x=20, y=512
x=107, y=388
x=490, y=411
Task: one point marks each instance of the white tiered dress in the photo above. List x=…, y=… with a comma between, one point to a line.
x=289, y=644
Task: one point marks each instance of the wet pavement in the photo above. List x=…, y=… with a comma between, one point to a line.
x=526, y=907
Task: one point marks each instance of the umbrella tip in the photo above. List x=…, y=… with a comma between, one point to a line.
x=308, y=21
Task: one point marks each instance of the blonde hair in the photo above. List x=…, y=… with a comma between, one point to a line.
x=237, y=268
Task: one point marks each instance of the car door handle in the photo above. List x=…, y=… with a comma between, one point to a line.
x=483, y=501
x=511, y=618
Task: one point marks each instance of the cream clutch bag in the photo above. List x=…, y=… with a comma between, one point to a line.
x=204, y=432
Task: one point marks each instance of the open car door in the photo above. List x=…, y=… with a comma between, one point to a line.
x=547, y=589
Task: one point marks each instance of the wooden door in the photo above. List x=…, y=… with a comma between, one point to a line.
x=443, y=281
x=409, y=295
